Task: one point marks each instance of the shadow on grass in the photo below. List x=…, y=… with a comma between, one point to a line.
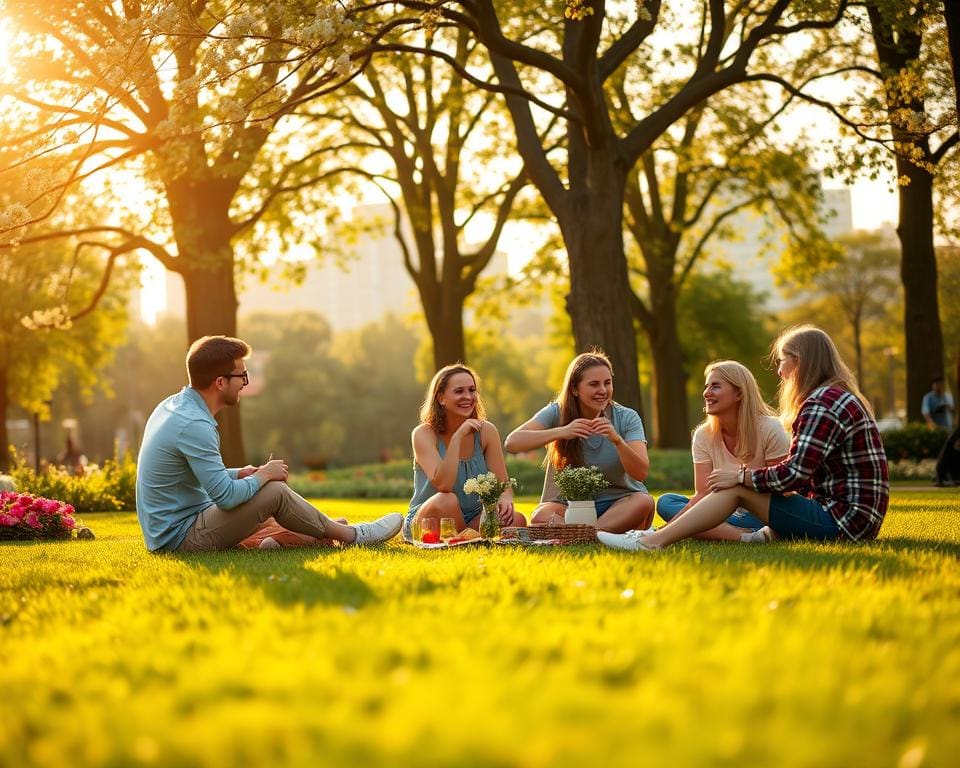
x=894, y=556
x=283, y=576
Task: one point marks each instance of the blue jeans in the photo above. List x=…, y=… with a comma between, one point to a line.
x=797, y=517
x=670, y=503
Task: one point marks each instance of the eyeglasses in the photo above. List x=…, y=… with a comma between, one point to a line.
x=245, y=376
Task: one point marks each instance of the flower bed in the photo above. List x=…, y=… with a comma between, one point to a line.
x=24, y=516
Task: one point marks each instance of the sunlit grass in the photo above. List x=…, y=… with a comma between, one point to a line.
x=786, y=655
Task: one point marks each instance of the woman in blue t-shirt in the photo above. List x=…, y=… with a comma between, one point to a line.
x=584, y=427
x=453, y=443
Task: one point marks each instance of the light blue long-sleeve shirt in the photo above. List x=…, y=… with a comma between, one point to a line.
x=180, y=472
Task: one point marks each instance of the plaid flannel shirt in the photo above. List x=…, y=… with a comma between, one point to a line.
x=837, y=459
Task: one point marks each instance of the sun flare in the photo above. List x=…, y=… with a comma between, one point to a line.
x=6, y=42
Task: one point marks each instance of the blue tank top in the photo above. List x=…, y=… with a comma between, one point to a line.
x=467, y=468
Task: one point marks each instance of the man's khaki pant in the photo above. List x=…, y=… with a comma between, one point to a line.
x=217, y=528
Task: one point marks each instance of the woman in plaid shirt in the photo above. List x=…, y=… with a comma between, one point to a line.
x=833, y=483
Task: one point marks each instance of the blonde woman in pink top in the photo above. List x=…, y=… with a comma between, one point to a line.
x=740, y=430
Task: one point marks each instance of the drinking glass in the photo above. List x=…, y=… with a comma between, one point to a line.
x=448, y=529
x=429, y=530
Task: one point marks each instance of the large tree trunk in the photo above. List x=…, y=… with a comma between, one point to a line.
x=918, y=273
x=918, y=263
x=200, y=211
x=670, y=373
x=211, y=300
x=449, y=345
x=599, y=302
x=4, y=435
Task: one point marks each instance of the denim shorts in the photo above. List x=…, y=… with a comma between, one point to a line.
x=670, y=504
x=797, y=517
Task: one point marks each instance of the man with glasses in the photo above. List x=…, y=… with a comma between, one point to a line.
x=188, y=501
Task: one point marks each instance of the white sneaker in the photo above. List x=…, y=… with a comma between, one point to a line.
x=380, y=530
x=630, y=541
x=763, y=536
x=269, y=543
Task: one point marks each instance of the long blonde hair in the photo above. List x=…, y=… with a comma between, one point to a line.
x=818, y=365
x=563, y=453
x=431, y=412
x=752, y=407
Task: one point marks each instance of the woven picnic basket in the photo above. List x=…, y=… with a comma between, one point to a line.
x=563, y=534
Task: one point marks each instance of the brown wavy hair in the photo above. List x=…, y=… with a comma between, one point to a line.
x=432, y=413
x=566, y=453
x=818, y=365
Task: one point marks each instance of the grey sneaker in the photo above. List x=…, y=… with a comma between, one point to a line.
x=269, y=543
x=630, y=541
x=380, y=530
x=763, y=536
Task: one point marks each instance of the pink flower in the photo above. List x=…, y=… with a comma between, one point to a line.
x=68, y=522
x=33, y=520
x=8, y=520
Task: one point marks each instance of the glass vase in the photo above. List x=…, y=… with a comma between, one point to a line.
x=489, y=522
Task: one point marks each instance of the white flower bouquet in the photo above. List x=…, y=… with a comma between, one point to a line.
x=488, y=487
x=580, y=483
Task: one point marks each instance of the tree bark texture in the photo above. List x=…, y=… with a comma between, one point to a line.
x=203, y=231
x=599, y=302
x=212, y=310
x=918, y=273
x=670, y=380
x=918, y=262
x=449, y=344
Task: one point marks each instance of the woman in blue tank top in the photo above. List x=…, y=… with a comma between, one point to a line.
x=453, y=443
x=584, y=427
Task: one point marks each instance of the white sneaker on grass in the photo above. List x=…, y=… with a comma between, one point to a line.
x=762, y=536
x=378, y=531
x=630, y=541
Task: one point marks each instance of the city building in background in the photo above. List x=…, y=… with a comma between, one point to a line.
x=756, y=251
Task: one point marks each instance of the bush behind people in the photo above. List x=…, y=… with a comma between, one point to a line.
x=669, y=469
x=914, y=441
x=109, y=488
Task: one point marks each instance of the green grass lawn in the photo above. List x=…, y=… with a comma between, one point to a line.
x=705, y=654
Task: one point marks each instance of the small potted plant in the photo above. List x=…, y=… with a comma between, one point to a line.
x=578, y=485
x=489, y=488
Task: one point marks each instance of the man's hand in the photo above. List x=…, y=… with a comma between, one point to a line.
x=275, y=469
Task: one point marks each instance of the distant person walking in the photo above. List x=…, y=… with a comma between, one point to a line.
x=948, y=460
x=937, y=406
x=833, y=485
x=72, y=458
x=188, y=501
